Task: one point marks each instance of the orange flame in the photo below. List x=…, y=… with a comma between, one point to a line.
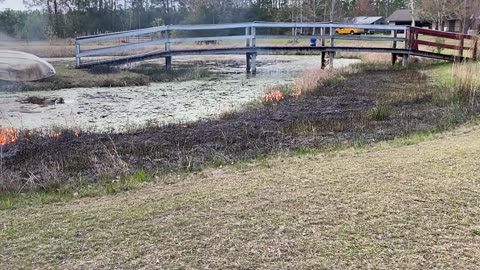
x=275, y=95
x=54, y=134
x=298, y=90
x=8, y=135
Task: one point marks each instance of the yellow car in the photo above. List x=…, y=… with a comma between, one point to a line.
x=349, y=31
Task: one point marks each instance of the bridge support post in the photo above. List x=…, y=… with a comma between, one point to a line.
x=77, y=57
x=168, y=63
x=323, y=60
x=323, y=54
x=404, y=60
x=331, y=56
x=251, y=63
x=394, y=46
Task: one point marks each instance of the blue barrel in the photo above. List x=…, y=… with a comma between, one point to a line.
x=313, y=42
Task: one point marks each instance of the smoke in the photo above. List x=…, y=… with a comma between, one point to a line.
x=5, y=37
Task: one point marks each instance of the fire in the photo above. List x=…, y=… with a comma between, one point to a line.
x=54, y=134
x=275, y=95
x=298, y=90
x=8, y=135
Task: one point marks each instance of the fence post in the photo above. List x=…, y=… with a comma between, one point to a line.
x=332, y=36
x=394, y=46
x=254, y=34
x=416, y=41
x=77, y=57
x=247, y=33
x=474, y=51
x=408, y=44
x=253, y=56
x=168, y=59
x=460, y=47
x=322, y=34
x=331, y=54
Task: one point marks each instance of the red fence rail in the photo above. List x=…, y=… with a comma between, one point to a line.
x=414, y=41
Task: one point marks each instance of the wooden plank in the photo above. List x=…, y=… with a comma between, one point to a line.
x=110, y=36
x=209, y=26
x=369, y=38
x=442, y=34
x=323, y=24
x=266, y=50
x=385, y=27
x=219, y=38
x=96, y=38
x=288, y=36
x=436, y=44
x=109, y=50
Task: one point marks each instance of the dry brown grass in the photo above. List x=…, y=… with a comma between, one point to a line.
x=388, y=207
x=466, y=79
x=376, y=58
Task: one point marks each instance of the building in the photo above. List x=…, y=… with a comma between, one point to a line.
x=368, y=20
x=404, y=17
x=457, y=25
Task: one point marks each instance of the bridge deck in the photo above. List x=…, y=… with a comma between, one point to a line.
x=265, y=50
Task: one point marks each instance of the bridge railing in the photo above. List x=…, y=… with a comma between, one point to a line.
x=444, y=40
x=162, y=35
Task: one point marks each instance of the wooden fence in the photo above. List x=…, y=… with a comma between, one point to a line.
x=415, y=35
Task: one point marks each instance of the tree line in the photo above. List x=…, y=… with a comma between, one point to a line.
x=71, y=18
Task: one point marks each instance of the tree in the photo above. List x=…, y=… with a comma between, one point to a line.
x=363, y=8
x=438, y=11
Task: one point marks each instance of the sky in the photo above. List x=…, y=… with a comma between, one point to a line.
x=12, y=4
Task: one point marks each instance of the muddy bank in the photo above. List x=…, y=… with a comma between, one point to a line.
x=355, y=109
x=119, y=108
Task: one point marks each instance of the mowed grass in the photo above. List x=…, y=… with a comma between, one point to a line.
x=390, y=206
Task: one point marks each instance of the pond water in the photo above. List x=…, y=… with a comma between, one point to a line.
x=120, y=108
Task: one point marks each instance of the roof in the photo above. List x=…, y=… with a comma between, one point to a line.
x=401, y=15
x=366, y=20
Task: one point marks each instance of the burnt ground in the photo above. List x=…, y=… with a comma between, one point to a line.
x=356, y=108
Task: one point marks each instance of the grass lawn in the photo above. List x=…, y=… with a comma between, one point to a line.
x=410, y=203
x=390, y=206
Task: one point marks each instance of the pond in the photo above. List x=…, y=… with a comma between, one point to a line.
x=121, y=108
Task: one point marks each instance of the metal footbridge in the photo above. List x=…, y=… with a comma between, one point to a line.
x=178, y=40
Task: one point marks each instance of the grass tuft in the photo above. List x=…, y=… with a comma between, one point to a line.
x=380, y=113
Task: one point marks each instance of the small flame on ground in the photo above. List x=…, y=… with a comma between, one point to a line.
x=8, y=135
x=275, y=95
x=298, y=90
x=54, y=134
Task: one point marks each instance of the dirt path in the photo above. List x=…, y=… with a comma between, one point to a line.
x=386, y=207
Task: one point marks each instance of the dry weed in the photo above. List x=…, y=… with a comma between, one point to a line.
x=465, y=79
